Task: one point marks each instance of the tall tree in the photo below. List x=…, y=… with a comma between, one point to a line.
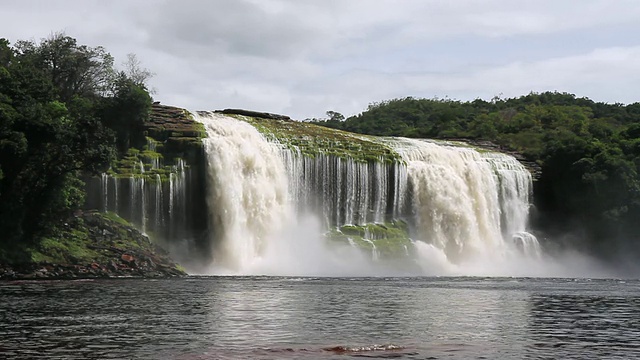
x=73, y=70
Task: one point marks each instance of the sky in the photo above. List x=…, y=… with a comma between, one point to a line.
x=305, y=57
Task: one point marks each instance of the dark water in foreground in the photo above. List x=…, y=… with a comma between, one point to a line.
x=307, y=318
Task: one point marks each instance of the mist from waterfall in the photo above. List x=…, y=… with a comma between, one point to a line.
x=269, y=206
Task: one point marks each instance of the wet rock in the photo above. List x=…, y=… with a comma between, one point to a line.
x=264, y=115
x=134, y=261
x=533, y=167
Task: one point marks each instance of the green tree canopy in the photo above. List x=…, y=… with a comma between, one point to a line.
x=60, y=108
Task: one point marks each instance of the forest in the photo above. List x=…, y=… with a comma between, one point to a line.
x=65, y=112
x=588, y=194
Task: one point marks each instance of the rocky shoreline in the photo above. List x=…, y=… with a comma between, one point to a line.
x=114, y=269
x=111, y=249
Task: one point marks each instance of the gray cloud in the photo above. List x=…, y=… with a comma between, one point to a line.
x=303, y=57
x=238, y=28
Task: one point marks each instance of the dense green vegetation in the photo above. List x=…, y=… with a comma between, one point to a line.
x=589, y=153
x=62, y=107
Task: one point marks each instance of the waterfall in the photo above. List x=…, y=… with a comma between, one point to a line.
x=247, y=190
x=159, y=221
x=115, y=195
x=515, y=185
x=461, y=204
x=104, y=185
x=374, y=250
x=153, y=148
x=466, y=203
x=344, y=191
x=138, y=202
x=148, y=201
x=143, y=199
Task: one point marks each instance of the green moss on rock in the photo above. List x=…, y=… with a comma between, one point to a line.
x=148, y=163
x=311, y=140
x=90, y=244
x=391, y=240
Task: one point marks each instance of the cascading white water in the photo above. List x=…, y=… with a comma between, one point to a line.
x=467, y=203
x=464, y=205
x=343, y=190
x=104, y=185
x=159, y=220
x=152, y=146
x=177, y=194
x=138, y=202
x=116, y=208
x=147, y=201
x=143, y=199
x=515, y=186
x=248, y=190
x=374, y=250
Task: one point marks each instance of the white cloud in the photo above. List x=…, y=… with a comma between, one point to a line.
x=303, y=57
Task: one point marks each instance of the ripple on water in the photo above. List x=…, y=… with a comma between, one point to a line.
x=320, y=318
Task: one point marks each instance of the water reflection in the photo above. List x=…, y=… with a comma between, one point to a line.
x=275, y=318
x=570, y=325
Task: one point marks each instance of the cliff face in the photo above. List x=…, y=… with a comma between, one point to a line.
x=159, y=187
x=176, y=130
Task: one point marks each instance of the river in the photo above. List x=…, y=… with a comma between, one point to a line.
x=320, y=318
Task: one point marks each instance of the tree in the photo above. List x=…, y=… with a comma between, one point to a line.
x=125, y=112
x=335, y=116
x=134, y=71
x=55, y=99
x=72, y=69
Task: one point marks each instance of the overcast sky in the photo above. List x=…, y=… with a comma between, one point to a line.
x=304, y=57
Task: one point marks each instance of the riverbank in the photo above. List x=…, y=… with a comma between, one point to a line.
x=92, y=245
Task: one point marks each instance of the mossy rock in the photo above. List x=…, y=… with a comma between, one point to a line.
x=165, y=122
x=130, y=165
x=391, y=240
x=90, y=245
x=311, y=139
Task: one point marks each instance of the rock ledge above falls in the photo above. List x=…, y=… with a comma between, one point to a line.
x=533, y=167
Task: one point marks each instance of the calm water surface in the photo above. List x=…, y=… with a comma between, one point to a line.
x=320, y=318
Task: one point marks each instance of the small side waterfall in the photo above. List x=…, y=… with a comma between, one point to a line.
x=154, y=204
x=177, y=203
x=153, y=148
x=515, y=186
x=159, y=201
x=104, y=185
